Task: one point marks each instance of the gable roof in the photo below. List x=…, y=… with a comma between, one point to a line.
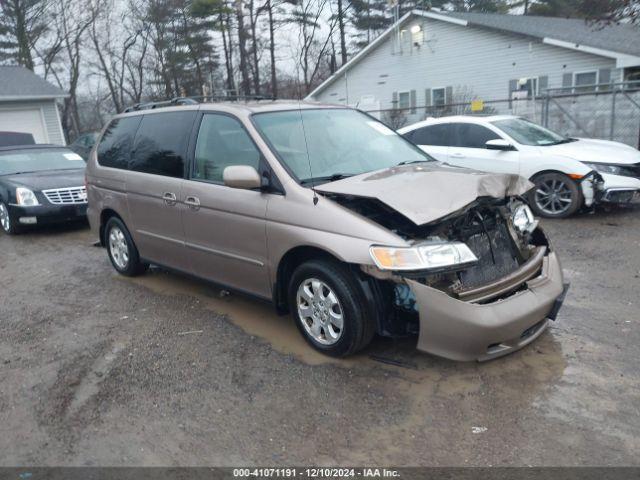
x=623, y=38
x=620, y=42
x=19, y=83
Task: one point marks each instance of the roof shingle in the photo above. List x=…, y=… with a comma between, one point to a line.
x=623, y=38
x=19, y=82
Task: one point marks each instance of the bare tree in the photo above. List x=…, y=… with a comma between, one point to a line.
x=314, y=38
x=70, y=21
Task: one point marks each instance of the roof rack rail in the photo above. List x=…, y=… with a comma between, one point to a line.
x=199, y=99
x=164, y=103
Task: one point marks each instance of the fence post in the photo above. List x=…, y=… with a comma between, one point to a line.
x=546, y=109
x=613, y=113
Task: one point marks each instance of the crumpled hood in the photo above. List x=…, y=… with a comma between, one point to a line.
x=597, y=151
x=426, y=192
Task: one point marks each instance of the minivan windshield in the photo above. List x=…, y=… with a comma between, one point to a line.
x=38, y=160
x=529, y=133
x=321, y=145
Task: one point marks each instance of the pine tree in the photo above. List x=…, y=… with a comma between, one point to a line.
x=22, y=23
x=369, y=18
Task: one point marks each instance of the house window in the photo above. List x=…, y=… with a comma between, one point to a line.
x=404, y=100
x=585, y=81
x=438, y=97
x=530, y=85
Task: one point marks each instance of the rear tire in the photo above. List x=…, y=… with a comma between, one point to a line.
x=121, y=249
x=555, y=195
x=7, y=223
x=330, y=309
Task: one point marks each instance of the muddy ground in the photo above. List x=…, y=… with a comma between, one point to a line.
x=98, y=369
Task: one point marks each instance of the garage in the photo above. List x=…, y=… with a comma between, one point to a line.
x=28, y=104
x=28, y=120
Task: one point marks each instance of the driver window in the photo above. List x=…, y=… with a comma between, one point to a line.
x=222, y=142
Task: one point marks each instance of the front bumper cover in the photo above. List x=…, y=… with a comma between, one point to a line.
x=47, y=214
x=461, y=330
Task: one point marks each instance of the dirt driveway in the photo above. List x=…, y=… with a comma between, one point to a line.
x=97, y=369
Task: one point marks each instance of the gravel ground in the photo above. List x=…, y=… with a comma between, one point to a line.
x=98, y=369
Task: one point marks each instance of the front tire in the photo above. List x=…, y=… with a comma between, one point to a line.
x=121, y=249
x=7, y=223
x=330, y=309
x=555, y=195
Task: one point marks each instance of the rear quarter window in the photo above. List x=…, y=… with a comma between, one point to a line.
x=115, y=146
x=161, y=143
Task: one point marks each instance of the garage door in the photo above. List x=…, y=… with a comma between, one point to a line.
x=25, y=121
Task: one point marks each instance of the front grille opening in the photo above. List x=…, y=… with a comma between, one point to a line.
x=66, y=196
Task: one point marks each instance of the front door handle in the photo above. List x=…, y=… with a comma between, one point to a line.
x=170, y=198
x=192, y=202
x=457, y=155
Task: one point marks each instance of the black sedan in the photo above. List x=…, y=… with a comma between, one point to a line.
x=40, y=184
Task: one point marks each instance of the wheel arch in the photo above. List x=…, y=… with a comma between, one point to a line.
x=105, y=215
x=288, y=263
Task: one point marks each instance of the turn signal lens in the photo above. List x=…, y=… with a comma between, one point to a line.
x=388, y=258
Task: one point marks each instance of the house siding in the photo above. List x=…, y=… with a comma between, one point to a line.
x=51, y=119
x=478, y=60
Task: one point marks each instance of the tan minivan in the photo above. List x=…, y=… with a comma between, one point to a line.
x=331, y=215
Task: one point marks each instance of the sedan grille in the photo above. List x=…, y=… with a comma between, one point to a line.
x=66, y=196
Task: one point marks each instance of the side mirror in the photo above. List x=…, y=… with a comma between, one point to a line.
x=241, y=176
x=499, y=144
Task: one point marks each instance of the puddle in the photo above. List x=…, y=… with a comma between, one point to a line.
x=418, y=371
x=251, y=315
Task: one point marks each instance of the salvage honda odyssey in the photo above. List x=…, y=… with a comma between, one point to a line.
x=333, y=217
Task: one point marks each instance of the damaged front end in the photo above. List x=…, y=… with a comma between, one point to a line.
x=467, y=307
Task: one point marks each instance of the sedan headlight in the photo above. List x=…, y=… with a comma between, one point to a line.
x=523, y=219
x=434, y=256
x=26, y=197
x=606, y=168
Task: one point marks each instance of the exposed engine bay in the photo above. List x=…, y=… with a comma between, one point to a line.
x=506, y=256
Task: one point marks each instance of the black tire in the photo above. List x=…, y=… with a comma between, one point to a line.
x=358, y=326
x=7, y=222
x=567, y=200
x=132, y=266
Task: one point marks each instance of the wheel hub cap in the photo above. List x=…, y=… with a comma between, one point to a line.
x=118, y=248
x=320, y=311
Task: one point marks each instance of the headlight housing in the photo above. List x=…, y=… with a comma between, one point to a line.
x=606, y=168
x=430, y=256
x=523, y=219
x=26, y=197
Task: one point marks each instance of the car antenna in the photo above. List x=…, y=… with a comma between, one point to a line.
x=306, y=145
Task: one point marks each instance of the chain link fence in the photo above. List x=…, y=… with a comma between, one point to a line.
x=604, y=111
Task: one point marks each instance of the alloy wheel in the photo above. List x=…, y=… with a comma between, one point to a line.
x=118, y=248
x=5, y=220
x=320, y=311
x=553, y=196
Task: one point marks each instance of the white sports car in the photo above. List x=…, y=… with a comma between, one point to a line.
x=568, y=172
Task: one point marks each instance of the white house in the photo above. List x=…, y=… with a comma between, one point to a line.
x=28, y=105
x=431, y=58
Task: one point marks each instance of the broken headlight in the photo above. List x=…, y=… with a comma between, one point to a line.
x=523, y=219
x=431, y=256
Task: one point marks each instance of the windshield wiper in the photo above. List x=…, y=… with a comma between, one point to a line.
x=327, y=178
x=409, y=162
x=564, y=140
